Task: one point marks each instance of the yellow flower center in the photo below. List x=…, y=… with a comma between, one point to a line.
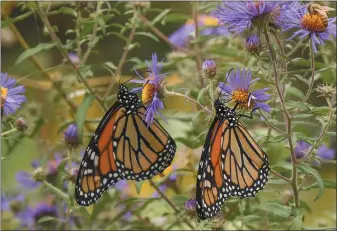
x=4, y=92
x=313, y=22
x=241, y=96
x=148, y=92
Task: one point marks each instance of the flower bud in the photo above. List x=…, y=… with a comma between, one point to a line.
x=190, y=206
x=70, y=136
x=21, y=124
x=209, y=68
x=253, y=44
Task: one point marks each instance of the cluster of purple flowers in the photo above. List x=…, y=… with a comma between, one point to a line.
x=323, y=152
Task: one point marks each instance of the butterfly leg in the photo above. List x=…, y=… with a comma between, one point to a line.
x=250, y=116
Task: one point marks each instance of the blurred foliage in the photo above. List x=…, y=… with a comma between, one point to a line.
x=98, y=33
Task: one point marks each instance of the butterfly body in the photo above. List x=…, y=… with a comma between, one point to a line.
x=232, y=163
x=123, y=147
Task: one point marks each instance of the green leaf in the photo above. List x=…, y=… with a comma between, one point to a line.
x=297, y=223
x=304, y=137
x=9, y=21
x=67, y=11
x=327, y=184
x=295, y=92
x=101, y=23
x=160, y=16
x=139, y=185
x=148, y=34
x=45, y=219
x=82, y=112
x=33, y=51
x=307, y=169
x=277, y=139
x=201, y=94
x=280, y=210
x=320, y=110
x=297, y=104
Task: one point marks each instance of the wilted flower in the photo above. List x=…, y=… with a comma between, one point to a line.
x=12, y=203
x=32, y=180
x=152, y=90
x=71, y=136
x=253, y=43
x=240, y=16
x=307, y=24
x=11, y=97
x=181, y=36
x=238, y=89
x=209, y=68
x=326, y=91
x=21, y=124
x=190, y=206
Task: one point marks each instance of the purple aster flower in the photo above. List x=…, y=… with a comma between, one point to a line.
x=11, y=97
x=308, y=24
x=238, y=89
x=152, y=90
x=209, y=68
x=325, y=153
x=71, y=136
x=253, y=43
x=301, y=148
x=74, y=58
x=240, y=16
x=31, y=216
x=181, y=36
x=190, y=206
x=12, y=203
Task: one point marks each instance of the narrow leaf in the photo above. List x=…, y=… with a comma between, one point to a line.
x=280, y=210
x=32, y=51
x=82, y=112
x=139, y=185
x=307, y=169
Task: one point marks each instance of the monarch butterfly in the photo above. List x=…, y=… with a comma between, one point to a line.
x=232, y=163
x=122, y=147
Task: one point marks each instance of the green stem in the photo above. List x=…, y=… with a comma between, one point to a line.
x=8, y=132
x=287, y=119
x=93, y=37
x=64, y=52
x=122, y=61
x=196, y=43
x=78, y=33
x=189, y=99
x=321, y=135
x=271, y=125
x=56, y=191
x=307, y=95
x=169, y=202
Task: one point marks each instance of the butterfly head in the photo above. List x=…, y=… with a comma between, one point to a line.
x=222, y=111
x=129, y=100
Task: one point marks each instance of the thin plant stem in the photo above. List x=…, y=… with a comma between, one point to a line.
x=9, y=132
x=93, y=38
x=161, y=35
x=321, y=135
x=39, y=66
x=287, y=120
x=189, y=99
x=271, y=125
x=196, y=43
x=64, y=53
x=280, y=176
x=312, y=80
x=122, y=61
x=78, y=33
x=169, y=202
